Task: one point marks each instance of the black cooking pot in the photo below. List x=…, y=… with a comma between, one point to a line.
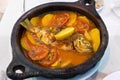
x=29, y=69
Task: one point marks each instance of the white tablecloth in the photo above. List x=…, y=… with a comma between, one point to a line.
x=15, y=10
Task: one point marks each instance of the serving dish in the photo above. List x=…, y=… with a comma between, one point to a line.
x=28, y=69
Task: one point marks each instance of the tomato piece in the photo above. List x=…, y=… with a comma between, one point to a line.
x=81, y=25
x=51, y=58
x=38, y=52
x=60, y=19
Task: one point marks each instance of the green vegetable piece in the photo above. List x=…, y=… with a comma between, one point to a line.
x=26, y=24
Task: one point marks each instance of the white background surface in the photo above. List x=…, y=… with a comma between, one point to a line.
x=14, y=11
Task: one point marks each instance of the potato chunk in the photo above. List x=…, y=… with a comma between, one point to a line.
x=95, y=34
x=65, y=33
x=35, y=20
x=46, y=20
x=72, y=19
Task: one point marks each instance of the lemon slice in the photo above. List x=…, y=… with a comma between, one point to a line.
x=65, y=33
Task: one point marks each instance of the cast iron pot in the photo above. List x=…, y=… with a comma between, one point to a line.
x=29, y=69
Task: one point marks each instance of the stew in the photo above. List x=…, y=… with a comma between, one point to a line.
x=59, y=39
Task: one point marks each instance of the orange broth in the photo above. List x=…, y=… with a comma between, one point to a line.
x=74, y=57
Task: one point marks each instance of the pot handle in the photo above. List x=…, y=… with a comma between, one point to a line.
x=89, y=5
x=17, y=70
x=86, y=2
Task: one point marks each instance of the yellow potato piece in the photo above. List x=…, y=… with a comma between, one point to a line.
x=84, y=18
x=31, y=38
x=56, y=64
x=67, y=63
x=65, y=33
x=72, y=19
x=23, y=44
x=47, y=19
x=95, y=34
x=35, y=20
x=87, y=36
